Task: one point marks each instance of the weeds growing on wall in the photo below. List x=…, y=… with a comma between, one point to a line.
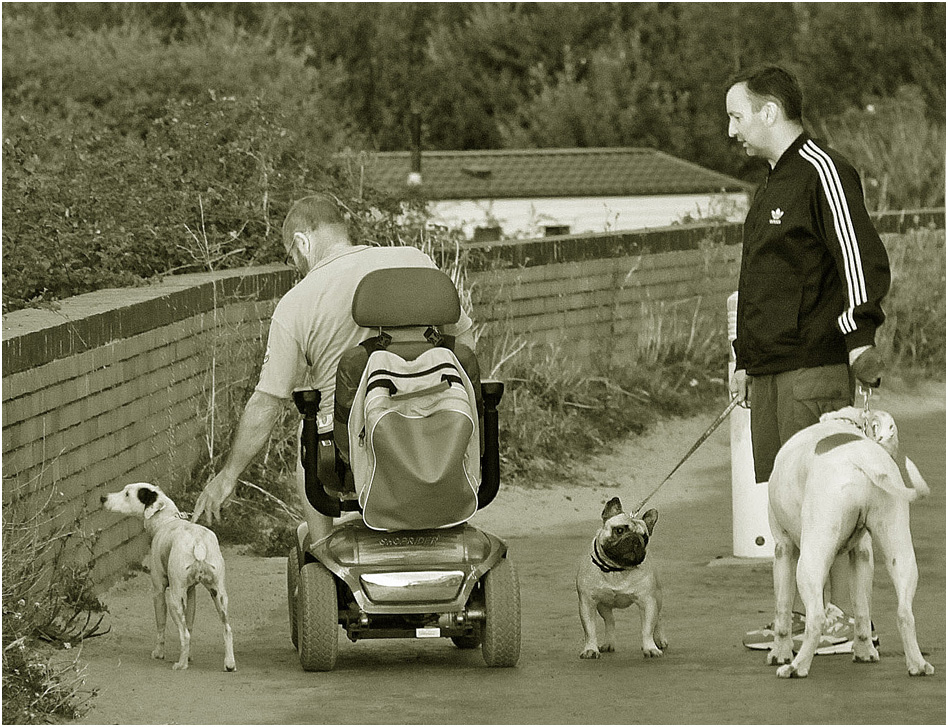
x=49, y=609
x=555, y=415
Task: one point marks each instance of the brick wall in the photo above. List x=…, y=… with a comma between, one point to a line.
x=115, y=387
x=598, y=300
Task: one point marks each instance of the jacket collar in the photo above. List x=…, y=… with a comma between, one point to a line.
x=791, y=152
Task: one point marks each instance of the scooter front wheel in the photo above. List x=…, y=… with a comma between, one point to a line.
x=317, y=618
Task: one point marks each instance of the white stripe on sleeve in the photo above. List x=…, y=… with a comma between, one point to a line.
x=845, y=232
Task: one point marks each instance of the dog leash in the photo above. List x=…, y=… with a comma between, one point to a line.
x=707, y=433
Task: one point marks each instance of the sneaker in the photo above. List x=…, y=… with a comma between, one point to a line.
x=763, y=639
x=837, y=636
x=838, y=633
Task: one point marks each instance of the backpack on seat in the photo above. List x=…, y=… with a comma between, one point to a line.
x=411, y=423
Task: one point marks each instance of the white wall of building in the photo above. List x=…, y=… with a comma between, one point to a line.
x=528, y=217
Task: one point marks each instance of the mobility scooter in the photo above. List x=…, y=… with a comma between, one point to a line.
x=405, y=564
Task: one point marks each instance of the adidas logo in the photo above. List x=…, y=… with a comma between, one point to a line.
x=775, y=216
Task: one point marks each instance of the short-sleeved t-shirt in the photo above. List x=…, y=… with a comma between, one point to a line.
x=312, y=324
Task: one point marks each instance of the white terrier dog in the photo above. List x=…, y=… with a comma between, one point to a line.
x=183, y=554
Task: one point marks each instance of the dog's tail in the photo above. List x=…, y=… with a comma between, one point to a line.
x=913, y=479
x=898, y=477
x=200, y=552
x=201, y=570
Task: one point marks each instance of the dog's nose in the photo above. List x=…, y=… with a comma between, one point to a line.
x=102, y=499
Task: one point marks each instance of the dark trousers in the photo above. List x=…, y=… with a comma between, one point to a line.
x=783, y=404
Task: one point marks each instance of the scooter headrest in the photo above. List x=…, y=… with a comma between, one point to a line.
x=396, y=297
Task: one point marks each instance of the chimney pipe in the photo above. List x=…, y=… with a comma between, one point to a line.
x=414, y=176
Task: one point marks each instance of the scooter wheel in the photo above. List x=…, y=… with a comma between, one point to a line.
x=317, y=618
x=501, y=627
x=292, y=591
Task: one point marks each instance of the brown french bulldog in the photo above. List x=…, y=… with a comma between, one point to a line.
x=616, y=575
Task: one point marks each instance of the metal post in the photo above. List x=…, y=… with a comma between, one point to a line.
x=751, y=528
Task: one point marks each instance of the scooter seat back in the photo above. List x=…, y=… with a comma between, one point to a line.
x=399, y=297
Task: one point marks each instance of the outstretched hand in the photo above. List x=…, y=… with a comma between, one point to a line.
x=214, y=495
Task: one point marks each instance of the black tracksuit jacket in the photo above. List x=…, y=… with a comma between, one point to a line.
x=813, y=268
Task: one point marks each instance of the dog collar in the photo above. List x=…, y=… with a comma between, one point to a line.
x=856, y=424
x=599, y=559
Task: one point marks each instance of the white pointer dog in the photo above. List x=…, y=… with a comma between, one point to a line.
x=836, y=487
x=183, y=554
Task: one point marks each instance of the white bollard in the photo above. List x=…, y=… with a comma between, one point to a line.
x=751, y=528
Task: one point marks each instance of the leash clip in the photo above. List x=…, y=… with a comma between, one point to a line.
x=866, y=392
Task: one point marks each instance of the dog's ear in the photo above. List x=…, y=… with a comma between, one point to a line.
x=613, y=508
x=650, y=518
x=149, y=498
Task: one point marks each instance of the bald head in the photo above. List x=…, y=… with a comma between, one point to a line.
x=309, y=214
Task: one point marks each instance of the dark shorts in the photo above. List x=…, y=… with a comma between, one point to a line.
x=783, y=404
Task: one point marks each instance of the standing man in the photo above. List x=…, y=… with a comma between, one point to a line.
x=813, y=275
x=310, y=329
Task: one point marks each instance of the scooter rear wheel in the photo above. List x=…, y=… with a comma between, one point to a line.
x=501, y=627
x=292, y=591
x=317, y=618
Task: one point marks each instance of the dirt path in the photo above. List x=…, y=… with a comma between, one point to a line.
x=705, y=677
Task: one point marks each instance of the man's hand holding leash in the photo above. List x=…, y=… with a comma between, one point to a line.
x=738, y=388
x=867, y=365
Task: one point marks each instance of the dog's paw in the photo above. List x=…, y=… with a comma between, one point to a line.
x=789, y=671
x=230, y=666
x=180, y=665
x=922, y=670
x=158, y=653
x=865, y=654
x=776, y=657
x=590, y=654
x=607, y=648
x=652, y=652
x=662, y=642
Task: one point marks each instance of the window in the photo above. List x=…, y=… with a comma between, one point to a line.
x=553, y=230
x=487, y=234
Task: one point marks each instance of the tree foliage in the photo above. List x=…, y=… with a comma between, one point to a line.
x=476, y=70
x=141, y=138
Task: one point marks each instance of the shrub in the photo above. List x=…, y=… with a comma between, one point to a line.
x=898, y=151
x=48, y=608
x=89, y=208
x=913, y=336
x=128, y=156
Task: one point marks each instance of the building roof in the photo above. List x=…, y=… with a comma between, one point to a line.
x=518, y=173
